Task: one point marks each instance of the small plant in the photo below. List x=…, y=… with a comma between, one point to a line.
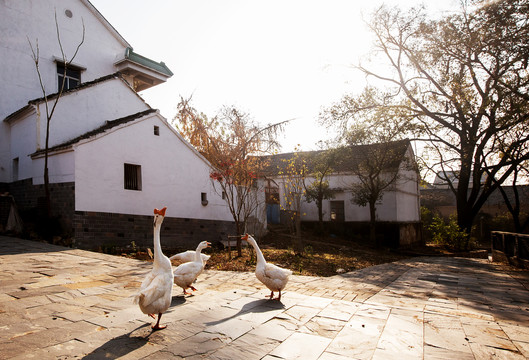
x=447, y=232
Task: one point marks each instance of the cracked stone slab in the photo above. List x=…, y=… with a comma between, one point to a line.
x=443, y=332
x=301, y=346
x=482, y=351
x=248, y=346
x=323, y=326
x=359, y=337
x=339, y=310
x=436, y=353
x=232, y=328
x=200, y=344
x=402, y=336
x=487, y=332
x=275, y=329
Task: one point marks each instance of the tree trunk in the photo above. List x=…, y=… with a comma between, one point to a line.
x=465, y=220
x=239, y=241
x=320, y=215
x=46, y=174
x=372, y=224
x=298, y=241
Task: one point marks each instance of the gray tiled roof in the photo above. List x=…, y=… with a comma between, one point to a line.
x=274, y=163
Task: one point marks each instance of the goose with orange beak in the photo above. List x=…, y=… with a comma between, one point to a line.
x=154, y=296
x=274, y=277
x=187, y=273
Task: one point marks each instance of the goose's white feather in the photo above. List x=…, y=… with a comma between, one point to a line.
x=272, y=276
x=188, y=256
x=154, y=296
x=185, y=274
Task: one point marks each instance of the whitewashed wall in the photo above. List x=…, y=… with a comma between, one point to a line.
x=173, y=174
x=408, y=194
x=24, y=133
x=77, y=113
x=35, y=19
x=61, y=168
x=81, y=111
x=401, y=204
x=21, y=20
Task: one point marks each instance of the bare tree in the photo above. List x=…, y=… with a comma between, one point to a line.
x=462, y=80
x=320, y=166
x=375, y=147
x=292, y=173
x=51, y=101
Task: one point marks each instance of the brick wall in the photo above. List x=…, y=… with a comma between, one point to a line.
x=29, y=199
x=96, y=230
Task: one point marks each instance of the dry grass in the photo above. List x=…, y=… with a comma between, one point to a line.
x=322, y=256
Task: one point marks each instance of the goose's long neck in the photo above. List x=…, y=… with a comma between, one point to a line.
x=260, y=258
x=157, y=246
x=198, y=257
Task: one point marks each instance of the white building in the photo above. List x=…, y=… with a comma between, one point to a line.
x=397, y=213
x=112, y=158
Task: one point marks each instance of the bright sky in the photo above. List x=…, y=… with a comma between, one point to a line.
x=274, y=59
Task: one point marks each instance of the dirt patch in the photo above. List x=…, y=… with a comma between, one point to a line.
x=323, y=255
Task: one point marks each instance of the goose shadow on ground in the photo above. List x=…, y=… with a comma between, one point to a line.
x=177, y=300
x=256, y=306
x=119, y=346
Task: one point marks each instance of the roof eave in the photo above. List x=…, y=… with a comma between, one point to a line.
x=23, y=111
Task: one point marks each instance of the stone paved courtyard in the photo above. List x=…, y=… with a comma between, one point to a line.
x=61, y=303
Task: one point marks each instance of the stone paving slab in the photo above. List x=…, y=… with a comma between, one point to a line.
x=61, y=303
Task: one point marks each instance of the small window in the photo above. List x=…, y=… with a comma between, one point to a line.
x=15, y=169
x=204, y=198
x=132, y=177
x=72, y=78
x=156, y=130
x=224, y=195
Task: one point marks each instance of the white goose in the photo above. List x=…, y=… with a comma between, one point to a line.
x=154, y=296
x=188, y=256
x=274, y=277
x=185, y=274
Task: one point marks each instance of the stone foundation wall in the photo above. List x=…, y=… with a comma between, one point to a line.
x=410, y=235
x=105, y=231
x=390, y=234
x=30, y=201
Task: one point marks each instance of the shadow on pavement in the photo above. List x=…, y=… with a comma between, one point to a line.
x=256, y=306
x=119, y=346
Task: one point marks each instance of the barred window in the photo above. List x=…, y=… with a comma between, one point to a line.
x=132, y=177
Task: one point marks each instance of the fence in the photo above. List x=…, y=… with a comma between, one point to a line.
x=510, y=247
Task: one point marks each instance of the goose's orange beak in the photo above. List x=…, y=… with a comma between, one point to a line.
x=208, y=244
x=244, y=237
x=160, y=212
